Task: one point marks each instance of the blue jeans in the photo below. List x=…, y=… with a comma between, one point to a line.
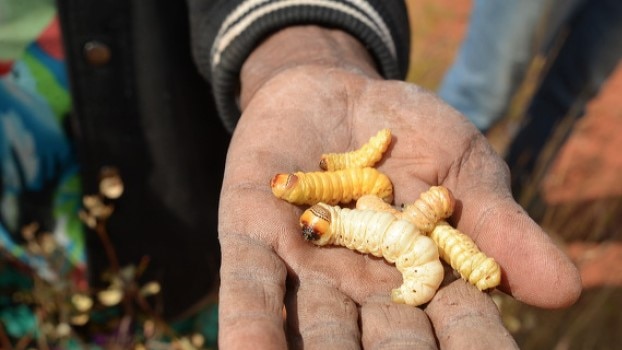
x=492, y=58
x=495, y=54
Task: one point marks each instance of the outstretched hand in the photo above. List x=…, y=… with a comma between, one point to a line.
x=278, y=289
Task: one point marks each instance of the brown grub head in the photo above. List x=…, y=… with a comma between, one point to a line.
x=282, y=183
x=315, y=223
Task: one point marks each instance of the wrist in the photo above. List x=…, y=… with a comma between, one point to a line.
x=300, y=46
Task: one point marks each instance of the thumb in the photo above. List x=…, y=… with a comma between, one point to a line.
x=535, y=269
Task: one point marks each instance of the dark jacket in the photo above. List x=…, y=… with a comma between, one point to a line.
x=148, y=95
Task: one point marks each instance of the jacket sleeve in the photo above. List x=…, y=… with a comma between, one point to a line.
x=224, y=32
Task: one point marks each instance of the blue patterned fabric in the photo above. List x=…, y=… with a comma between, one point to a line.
x=39, y=172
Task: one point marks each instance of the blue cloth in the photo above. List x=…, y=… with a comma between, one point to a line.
x=586, y=58
x=38, y=166
x=582, y=42
x=502, y=39
x=492, y=58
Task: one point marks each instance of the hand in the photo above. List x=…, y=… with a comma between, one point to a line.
x=308, y=91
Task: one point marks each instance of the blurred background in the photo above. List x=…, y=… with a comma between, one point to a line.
x=577, y=197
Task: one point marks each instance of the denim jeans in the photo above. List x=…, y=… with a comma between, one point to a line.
x=492, y=58
x=497, y=50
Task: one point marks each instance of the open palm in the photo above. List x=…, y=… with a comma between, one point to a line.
x=336, y=297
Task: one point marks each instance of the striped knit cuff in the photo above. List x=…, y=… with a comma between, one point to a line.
x=253, y=20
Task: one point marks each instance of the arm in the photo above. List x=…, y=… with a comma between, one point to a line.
x=225, y=32
x=308, y=90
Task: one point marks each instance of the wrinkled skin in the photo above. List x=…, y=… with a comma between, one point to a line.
x=336, y=298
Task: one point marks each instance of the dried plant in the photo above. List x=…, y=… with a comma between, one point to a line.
x=60, y=314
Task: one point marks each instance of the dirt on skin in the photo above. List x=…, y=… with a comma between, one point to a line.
x=581, y=194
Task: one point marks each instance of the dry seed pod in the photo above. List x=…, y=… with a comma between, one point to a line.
x=366, y=156
x=383, y=235
x=96, y=207
x=111, y=296
x=110, y=183
x=332, y=187
x=63, y=330
x=82, y=302
x=151, y=288
x=79, y=319
x=459, y=250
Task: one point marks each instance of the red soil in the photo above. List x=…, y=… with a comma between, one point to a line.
x=589, y=165
x=588, y=168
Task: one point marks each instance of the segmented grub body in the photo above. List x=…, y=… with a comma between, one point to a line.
x=459, y=250
x=455, y=248
x=332, y=187
x=433, y=205
x=366, y=156
x=373, y=202
x=383, y=235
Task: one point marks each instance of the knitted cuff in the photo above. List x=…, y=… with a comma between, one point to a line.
x=253, y=20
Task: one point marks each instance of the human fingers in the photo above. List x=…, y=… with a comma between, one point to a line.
x=465, y=318
x=388, y=325
x=319, y=316
x=535, y=270
x=251, y=294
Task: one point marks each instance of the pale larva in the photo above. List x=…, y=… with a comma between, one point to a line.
x=435, y=204
x=383, y=235
x=332, y=187
x=459, y=250
x=373, y=202
x=455, y=248
x=366, y=156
